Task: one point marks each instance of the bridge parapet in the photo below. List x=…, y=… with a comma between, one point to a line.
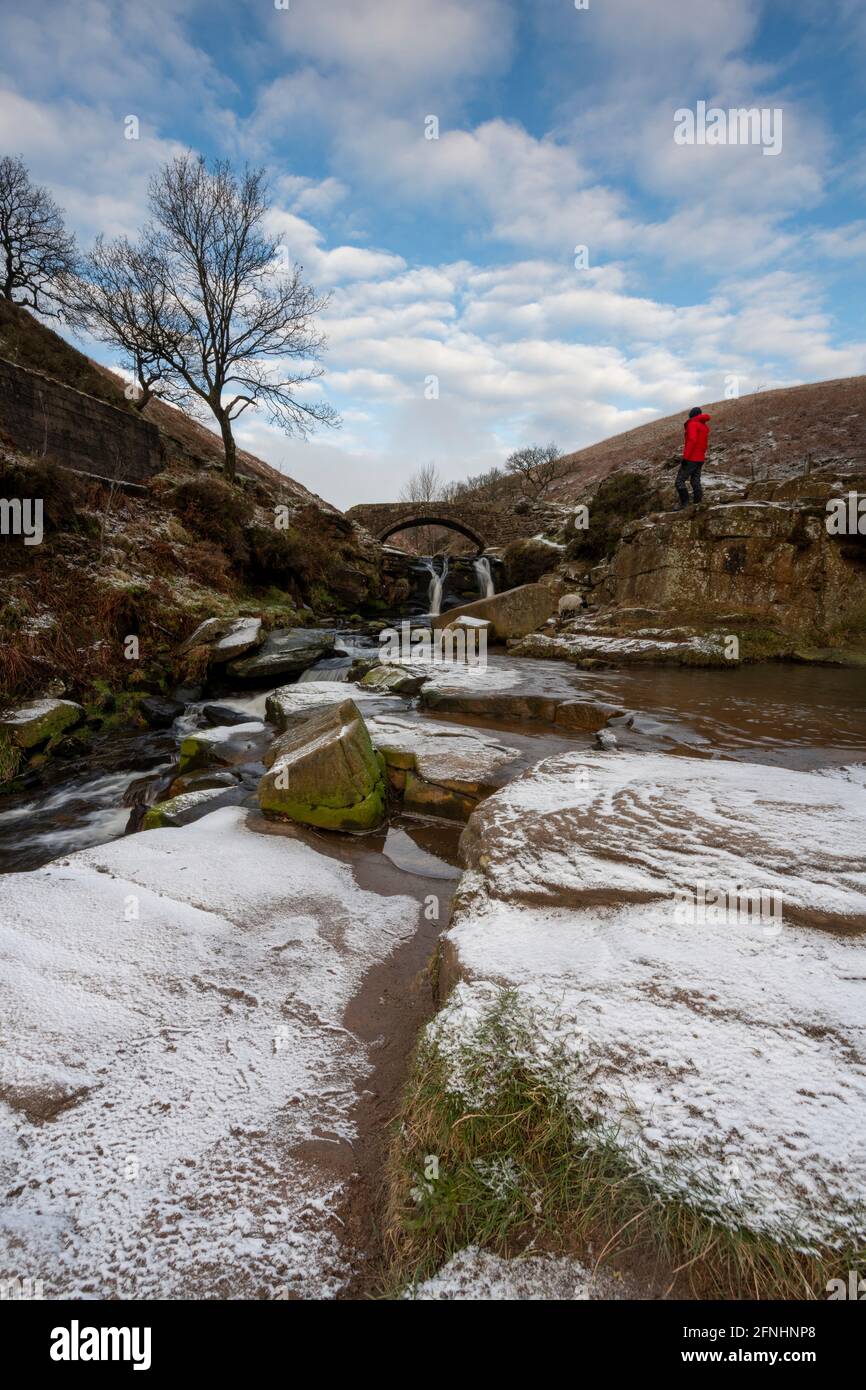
x=484, y=525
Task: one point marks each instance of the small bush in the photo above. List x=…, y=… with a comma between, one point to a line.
x=621, y=498
x=215, y=511
x=288, y=556
x=526, y=561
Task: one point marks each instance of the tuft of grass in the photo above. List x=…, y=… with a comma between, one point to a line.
x=10, y=758
x=520, y=1167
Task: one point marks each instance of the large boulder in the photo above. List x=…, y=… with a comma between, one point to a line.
x=511, y=614
x=685, y=941
x=398, y=680
x=36, y=723
x=286, y=651
x=327, y=773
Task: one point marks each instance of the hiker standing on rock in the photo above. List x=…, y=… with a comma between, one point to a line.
x=697, y=432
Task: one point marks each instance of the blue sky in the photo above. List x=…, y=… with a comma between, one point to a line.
x=454, y=257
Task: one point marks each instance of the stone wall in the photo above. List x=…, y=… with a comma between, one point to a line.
x=45, y=418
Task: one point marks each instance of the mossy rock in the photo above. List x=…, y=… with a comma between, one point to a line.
x=328, y=774
x=30, y=725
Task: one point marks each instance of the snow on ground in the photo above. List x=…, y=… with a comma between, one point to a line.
x=183, y=992
x=723, y=1051
x=480, y=1276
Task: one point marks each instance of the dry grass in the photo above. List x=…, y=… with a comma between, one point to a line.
x=524, y=1168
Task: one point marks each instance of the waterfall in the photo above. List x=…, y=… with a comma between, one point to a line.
x=486, y=587
x=437, y=584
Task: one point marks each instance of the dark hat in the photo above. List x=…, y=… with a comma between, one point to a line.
x=695, y=410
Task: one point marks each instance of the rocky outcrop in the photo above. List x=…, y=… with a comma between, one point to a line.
x=511, y=614
x=326, y=773
x=683, y=939
x=770, y=554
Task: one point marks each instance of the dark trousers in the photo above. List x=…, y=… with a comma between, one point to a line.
x=689, y=473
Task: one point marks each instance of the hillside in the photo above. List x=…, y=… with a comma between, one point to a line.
x=769, y=434
x=28, y=342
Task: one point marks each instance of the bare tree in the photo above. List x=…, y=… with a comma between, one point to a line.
x=423, y=486
x=119, y=295
x=246, y=331
x=35, y=248
x=534, y=467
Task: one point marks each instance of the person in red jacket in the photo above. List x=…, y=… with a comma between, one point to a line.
x=697, y=432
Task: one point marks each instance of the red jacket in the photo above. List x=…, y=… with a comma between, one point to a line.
x=697, y=436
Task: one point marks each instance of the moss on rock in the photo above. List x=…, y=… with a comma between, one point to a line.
x=328, y=774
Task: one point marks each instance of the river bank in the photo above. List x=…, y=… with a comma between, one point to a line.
x=289, y=973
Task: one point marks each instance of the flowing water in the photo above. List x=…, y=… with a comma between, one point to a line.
x=486, y=586
x=437, y=584
x=794, y=716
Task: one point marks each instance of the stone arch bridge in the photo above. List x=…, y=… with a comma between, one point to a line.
x=484, y=525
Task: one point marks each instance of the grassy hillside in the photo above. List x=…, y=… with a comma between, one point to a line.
x=767, y=434
x=28, y=342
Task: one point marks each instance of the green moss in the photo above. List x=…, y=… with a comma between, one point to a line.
x=329, y=814
x=621, y=498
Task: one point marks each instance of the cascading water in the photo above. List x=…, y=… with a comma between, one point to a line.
x=437, y=584
x=486, y=587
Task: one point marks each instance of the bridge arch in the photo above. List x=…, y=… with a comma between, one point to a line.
x=413, y=519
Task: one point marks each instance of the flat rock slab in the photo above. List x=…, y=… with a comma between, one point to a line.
x=722, y=1049
x=440, y=769
x=223, y=746
x=625, y=649
x=175, y=1003
x=190, y=806
x=290, y=705
x=285, y=652
x=505, y=692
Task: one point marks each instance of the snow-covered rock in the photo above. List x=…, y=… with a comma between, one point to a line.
x=173, y=1036
x=689, y=939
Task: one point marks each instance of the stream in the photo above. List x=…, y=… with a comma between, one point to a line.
x=800, y=717
x=332, y=1162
